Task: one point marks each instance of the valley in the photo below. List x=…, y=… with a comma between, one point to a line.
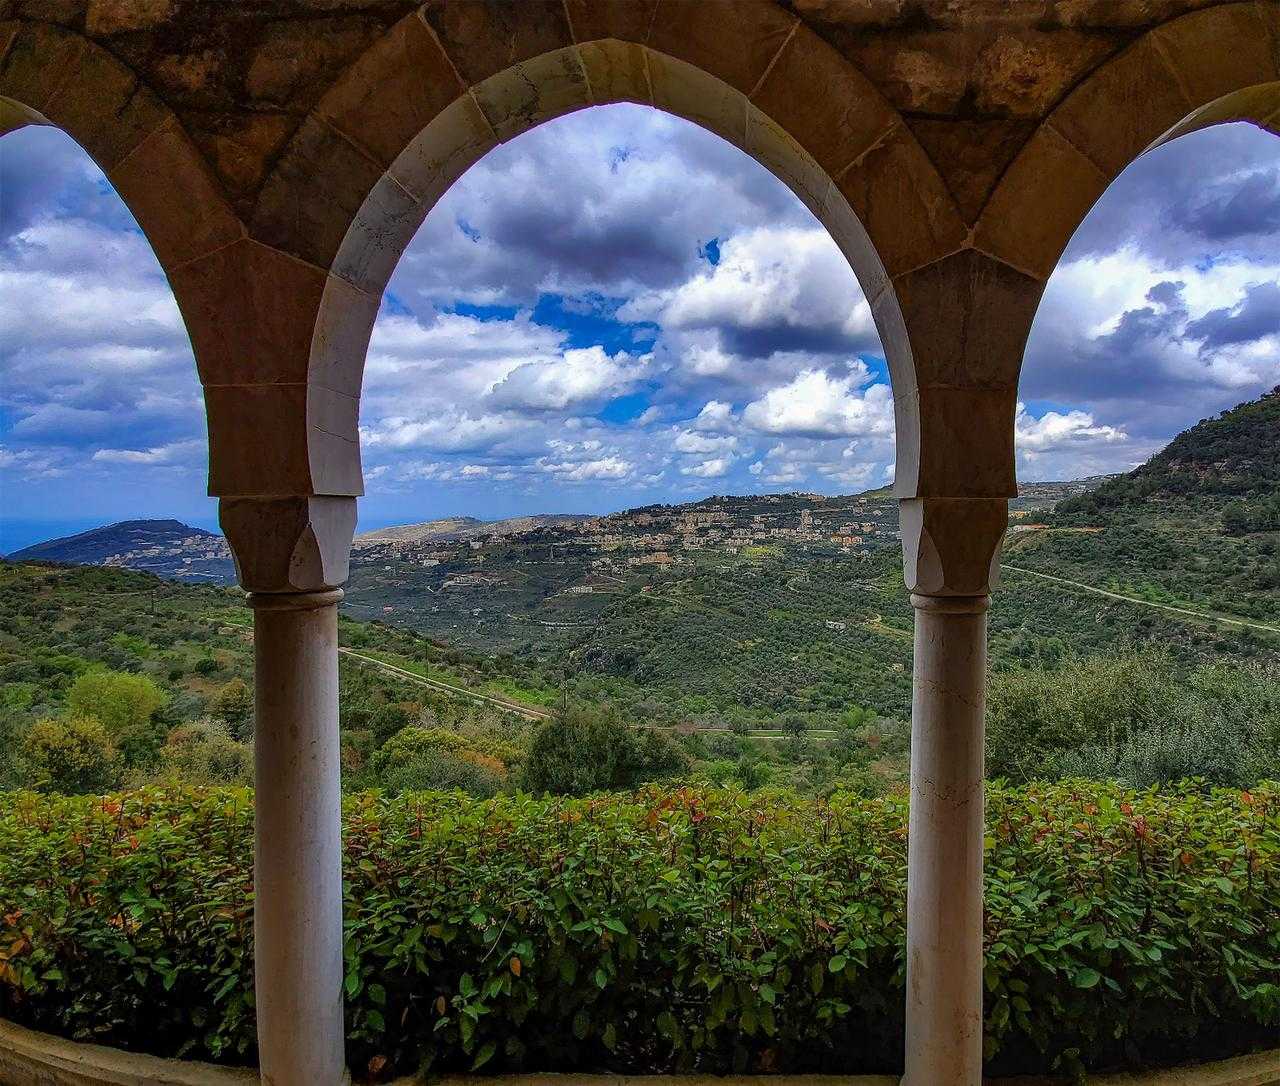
x=732, y=621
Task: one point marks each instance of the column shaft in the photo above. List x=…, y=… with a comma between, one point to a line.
x=297, y=846
x=944, y=865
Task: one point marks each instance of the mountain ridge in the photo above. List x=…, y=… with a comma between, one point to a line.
x=1231, y=456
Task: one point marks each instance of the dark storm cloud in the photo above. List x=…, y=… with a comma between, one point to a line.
x=1254, y=316
x=762, y=341
x=1138, y=328
x=1197, y=192
x=1232, y=210
x=614, y=204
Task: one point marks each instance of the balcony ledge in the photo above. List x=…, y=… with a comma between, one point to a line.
x=28, y=1058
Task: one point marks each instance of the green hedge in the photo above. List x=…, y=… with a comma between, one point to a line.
x=666, y=929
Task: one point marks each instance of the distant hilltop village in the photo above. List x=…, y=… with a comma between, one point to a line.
x=654, y=535
x=650, y=536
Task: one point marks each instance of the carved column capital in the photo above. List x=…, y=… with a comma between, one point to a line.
x=289, y=545
x=951, y=546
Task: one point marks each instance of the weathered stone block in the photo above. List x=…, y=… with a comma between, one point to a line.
x=311, y=199
x=105, y=108
x=1207, y=72
x=596, y=20
x=616, y=71
x=250, y=312
x=458, y=136
x=243, y=148
x=392, y=92
x=484, y=37
x=1041, y=200
x=971, y=155
x=533, y=91
x=341, y=337
x=333, y=441
x=257, y=440
x=377, y=237
x=39, y=59
x=1123, y=107
x=689, y=92
x=965, y=445
x=695, y=34
x=968, y=317
x=824, y=103
x=901, y=200
x=170, y=189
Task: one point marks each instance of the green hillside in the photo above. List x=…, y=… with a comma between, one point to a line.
x=1197, y=526
x=1233, y=456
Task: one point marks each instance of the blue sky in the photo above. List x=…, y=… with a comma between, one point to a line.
x=619, y=308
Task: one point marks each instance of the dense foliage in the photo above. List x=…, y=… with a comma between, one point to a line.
x=1235, y=453
x=662, y=929
x=1140, y=717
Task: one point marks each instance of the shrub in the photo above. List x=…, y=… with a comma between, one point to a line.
x=73, y=755
x=662, y=930
x=1139, y=716
x=416, y=759
x=205, y=752
x=126, y=705
x=437, y=769
x=233, y=705
x=585, y=749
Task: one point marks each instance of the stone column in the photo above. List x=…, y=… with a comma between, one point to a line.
x=291, y=556
x=950, y=547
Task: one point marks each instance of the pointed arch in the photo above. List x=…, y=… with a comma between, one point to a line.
x=1208, y=67
x=51, y=75
x=451, y=81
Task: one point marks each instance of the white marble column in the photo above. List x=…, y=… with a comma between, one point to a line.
x=291, y=554
x=297, y=870
x=950, y=548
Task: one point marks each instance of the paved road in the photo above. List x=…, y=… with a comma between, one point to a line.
x=1202, y=615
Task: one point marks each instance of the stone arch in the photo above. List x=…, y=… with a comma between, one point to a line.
x=50, y=75
x=1208, y=67
x=453, y=80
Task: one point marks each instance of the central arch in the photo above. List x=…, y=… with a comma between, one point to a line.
x=448, y=84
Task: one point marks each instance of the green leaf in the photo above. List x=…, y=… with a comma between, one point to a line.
x=1086, y=978
x=484, y=1055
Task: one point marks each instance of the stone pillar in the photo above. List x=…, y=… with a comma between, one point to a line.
x=950, y=548
x=291, y=555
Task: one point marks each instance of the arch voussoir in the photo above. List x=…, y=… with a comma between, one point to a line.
x=1205, y=67
x=1042, y=199
x=483, y=39
x=533, y=91
x=393, y=90
x=128, y=131
x=1207, y=73
x=36, y=61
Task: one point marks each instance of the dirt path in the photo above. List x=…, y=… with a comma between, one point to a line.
x=1204, y=616
x=448, y=688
